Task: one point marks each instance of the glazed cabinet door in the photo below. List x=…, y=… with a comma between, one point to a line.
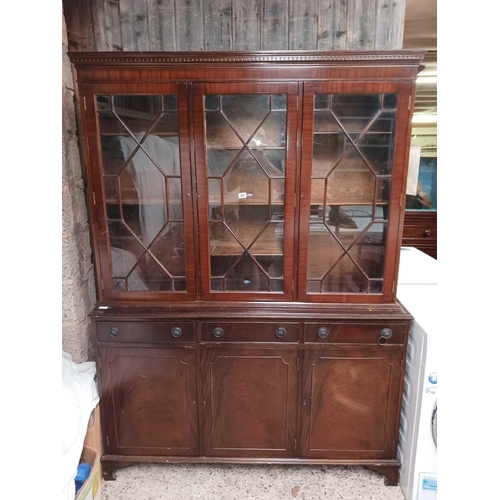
x=246, y=142
x=140, y=182
x=249, y=402
x=350, y=403
x=354, y=156
x=149, y=401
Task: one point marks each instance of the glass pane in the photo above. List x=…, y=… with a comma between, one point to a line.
x=345, y=277
x=328, y=149
x=355, y=112
x=276, y=285
x=143, y=186
x=111, y=188
x=325, y=122
x=180, y=285
x=174, y=199
x=168, y=249
x=390, y=101
x=278, y=102
x=137, y=113
x=323, y=252
x=321, y=102
x=212, y=102
x=353, y=152
x=247, y=222
x=113, y=157
x=125, y=249
x=167, y=124
x=141, y=163
x=246, y=112
x=246, y=143
x=222, y=264
x=219, y=133
x=148, y=275
x=219, y=160
x=277, y=191
x=246, y=181
x=109, y=124
x=103, y=103
x=272, y=161
x=170, y=103
x=163, y=152
x=269, y=241
x=247, y=276
x=351, y=182
x=217, y=285
x=272, y=265
x=368, y=251
x=377, y=144
x=272, y=132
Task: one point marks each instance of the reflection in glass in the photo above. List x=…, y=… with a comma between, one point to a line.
x=168, y=249
x=272, y=131
x=142, y=180
x=246, y=141
x=246, y=275
x=355, y=237
x=245, y=113
x=426, y=195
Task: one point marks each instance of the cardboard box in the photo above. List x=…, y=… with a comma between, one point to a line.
x=91, y=454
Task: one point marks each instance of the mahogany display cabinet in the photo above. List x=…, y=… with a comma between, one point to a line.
x=247, y=213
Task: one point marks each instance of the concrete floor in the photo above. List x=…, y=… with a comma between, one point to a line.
x=243, y=482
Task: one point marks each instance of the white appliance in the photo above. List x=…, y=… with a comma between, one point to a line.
x=417, y=449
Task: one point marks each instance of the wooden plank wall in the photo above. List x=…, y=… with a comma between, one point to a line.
x=243, y=25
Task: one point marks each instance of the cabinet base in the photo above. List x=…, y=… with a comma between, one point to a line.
x=112, y=463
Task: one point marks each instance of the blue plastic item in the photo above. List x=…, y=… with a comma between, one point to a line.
x=82, y=473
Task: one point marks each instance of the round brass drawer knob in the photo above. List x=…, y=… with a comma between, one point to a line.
x=218, y=332
x=176, y=332
x=385, y=335
x=280, y=332
x=322, y=332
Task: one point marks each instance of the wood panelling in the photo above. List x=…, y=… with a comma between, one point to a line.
x=249, y=402
x=213, y=25
x=149, y=399
x=350, y=401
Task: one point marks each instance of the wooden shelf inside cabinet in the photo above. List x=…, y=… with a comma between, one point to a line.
x=130, y=199
x=269, y=243
x=124, y=134
x=258, y=198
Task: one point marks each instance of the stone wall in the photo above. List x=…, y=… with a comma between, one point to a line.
x=78, y=282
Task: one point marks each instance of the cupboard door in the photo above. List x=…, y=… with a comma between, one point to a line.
x=355, y=146
x=141, y=182
x=246, y=155
x=249, y=402
x=149, y=400
x=350, y=403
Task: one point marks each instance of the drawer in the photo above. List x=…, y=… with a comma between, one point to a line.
x=420, y=232
x=352, y=333
x=249, y=332
x=145, y=331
